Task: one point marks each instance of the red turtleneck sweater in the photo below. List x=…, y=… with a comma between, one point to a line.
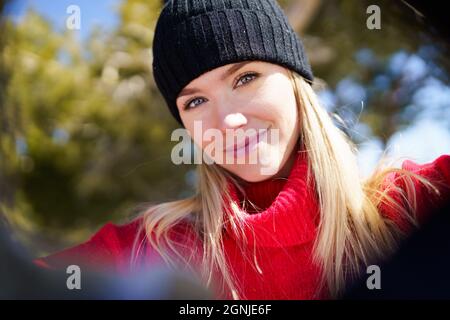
x=281, y=236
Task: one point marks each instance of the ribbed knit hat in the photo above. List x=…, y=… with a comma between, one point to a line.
x=195, y=36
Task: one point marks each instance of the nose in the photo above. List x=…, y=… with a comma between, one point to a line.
x=234, y=120
x=229, y=114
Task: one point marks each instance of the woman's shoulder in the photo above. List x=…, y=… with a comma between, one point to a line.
x=427, y=201
x=108, y=249
x=437, y=169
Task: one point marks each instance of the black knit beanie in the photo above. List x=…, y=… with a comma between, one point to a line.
x=196, y=36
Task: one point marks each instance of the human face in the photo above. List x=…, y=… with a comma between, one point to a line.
x=249, y=95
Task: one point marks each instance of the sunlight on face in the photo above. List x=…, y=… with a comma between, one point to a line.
x=250, y=95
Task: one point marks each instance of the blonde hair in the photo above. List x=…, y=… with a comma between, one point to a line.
x=352, y=232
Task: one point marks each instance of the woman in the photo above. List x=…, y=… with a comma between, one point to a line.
x=299, y=225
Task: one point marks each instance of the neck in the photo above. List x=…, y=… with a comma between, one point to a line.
x=285, y=206
x=262, y=193
x=287, y=167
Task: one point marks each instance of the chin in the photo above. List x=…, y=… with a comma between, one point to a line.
x=269, y=163
x=254, y=173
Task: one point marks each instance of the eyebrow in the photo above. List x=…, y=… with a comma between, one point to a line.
x=234, y=68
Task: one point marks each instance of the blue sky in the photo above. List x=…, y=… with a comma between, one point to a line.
x=93, y=12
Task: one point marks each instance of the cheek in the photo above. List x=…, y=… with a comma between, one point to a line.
x=279, y=107
x=198, y=132
x=189, y=126
x=285, y=117
x=289, y=112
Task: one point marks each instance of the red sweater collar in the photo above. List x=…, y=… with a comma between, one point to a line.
x=290, y=211
x=260, y=194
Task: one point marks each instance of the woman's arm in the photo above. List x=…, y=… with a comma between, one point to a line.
x=111, y=248
x=107, y=250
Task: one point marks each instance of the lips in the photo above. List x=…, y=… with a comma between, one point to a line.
x=248, y=141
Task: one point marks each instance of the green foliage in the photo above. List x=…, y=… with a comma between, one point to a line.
x=90, y=133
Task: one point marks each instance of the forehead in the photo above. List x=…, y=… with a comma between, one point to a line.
x=222, y=72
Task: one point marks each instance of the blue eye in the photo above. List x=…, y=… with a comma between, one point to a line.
x=250, y=75
x=187, y=104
